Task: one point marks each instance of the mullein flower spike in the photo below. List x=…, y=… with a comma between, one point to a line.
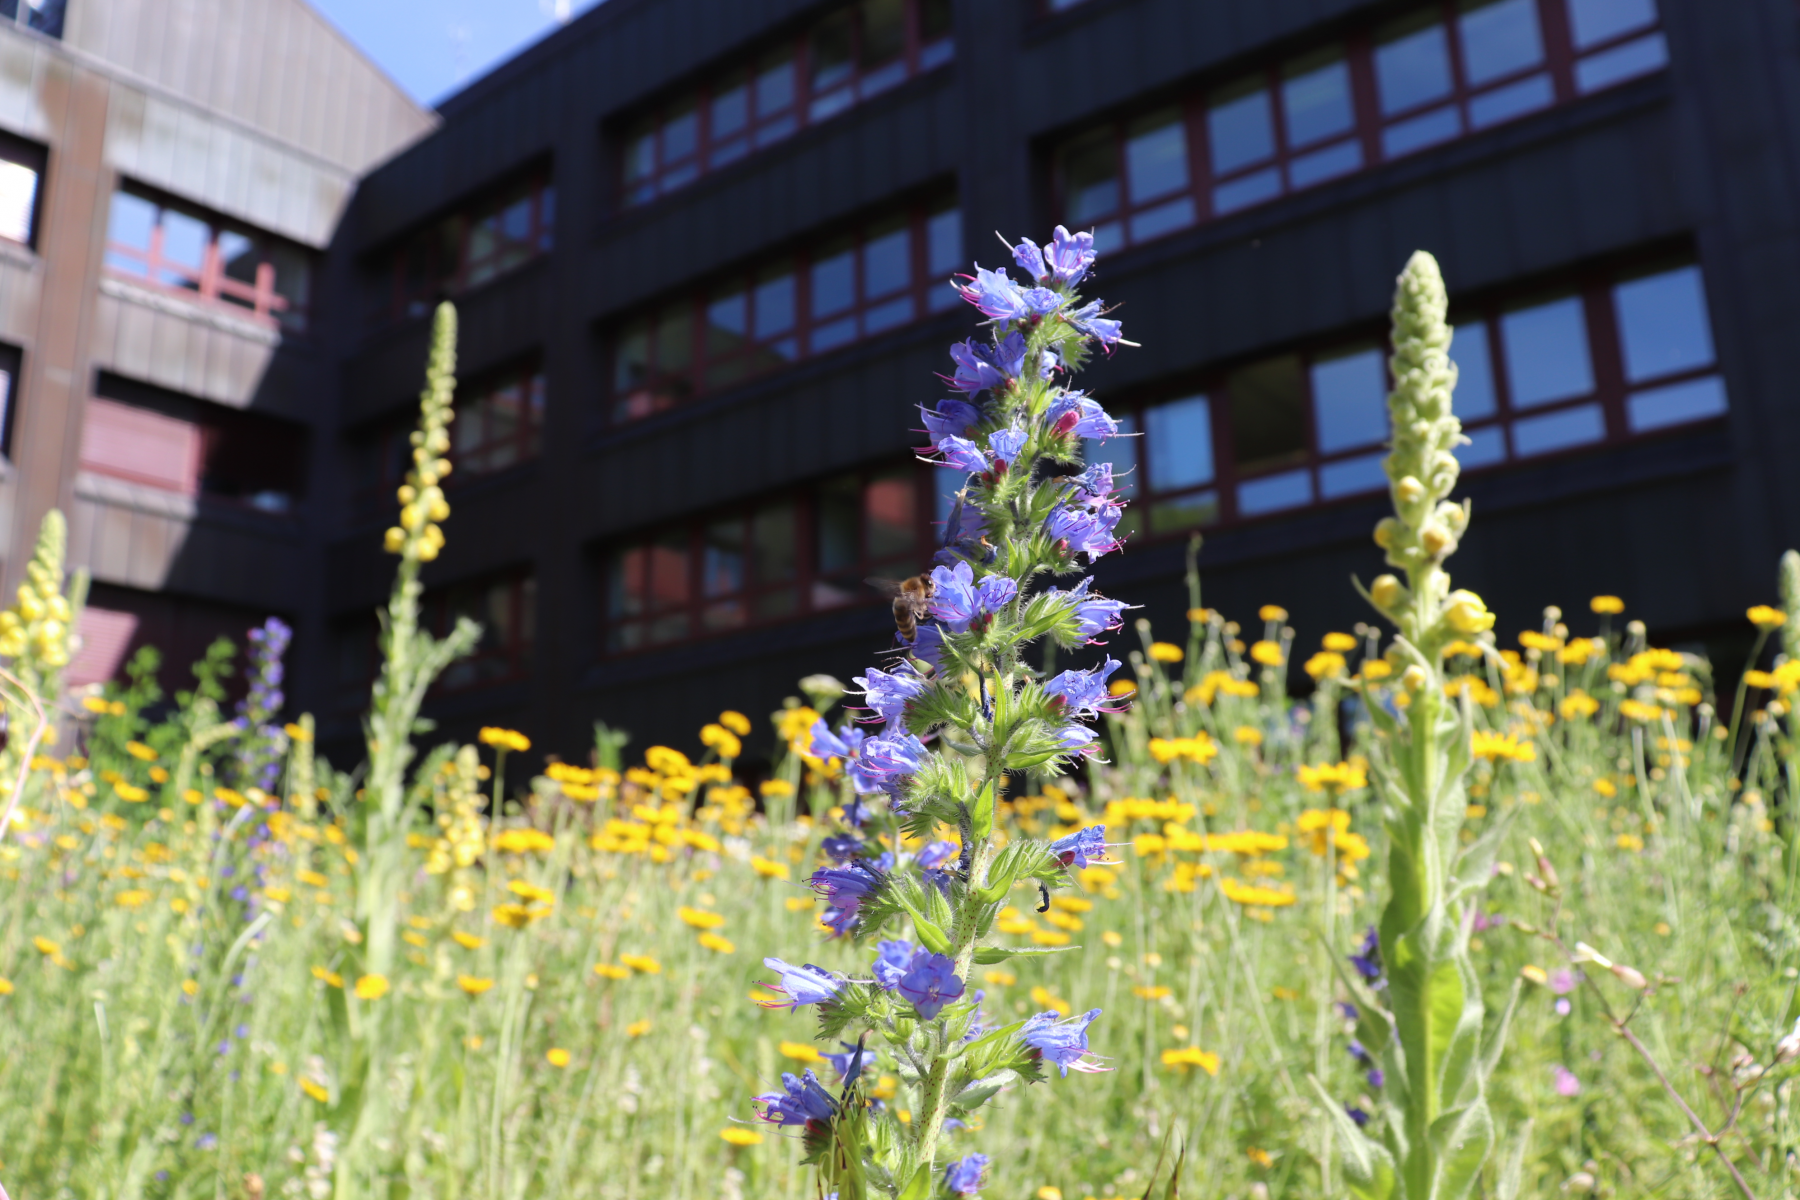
x=1029, y=514
x=1419, y=1021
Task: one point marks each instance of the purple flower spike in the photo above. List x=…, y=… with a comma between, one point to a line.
x=963, y=1177
x=1005, y=445
x=1074, y=413
x=951, y=418
x=963, y=454
x=889, y=694
x=930, y=983
x=801, y=985
x=994, y=295
x=1064, y=1043
x=892, y=960
x=1031, y=260
x=1081, y=847
x=1083, y=693
x=802, y=1102
x=886, y=761
x=1070, y=255
x=935, y=855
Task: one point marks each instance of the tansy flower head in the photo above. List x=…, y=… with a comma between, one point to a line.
x=735, y=721
x=474, y=985
x=504, y=739
x=1267, y=653
x=741, y=1137
x=1165, y=652
x=1191, y=1056
x=643, y=964
x=1765, y=618
x=700, y=918
x=1272, y=612
x=1606, y=605
x=557, y=1057
x=638, y=1028
x=371, y=987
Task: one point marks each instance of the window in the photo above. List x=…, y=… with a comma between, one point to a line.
x=42, y=16
x=789, y=554
x=165, y=440
x=506, y=609
x=471, y=247
x=21, y=168
x=850, y=55
x=1603, y=358
x=10, y=363
x=176, y=247
x=887, y=273
x=1440, y=72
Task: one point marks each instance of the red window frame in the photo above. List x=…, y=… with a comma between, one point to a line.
x=482, y=440
x=683, y=592
x=658, y=156
x=486, y=239
x=149, y=265
x=1219, y=498
x=683, y=347
x=1564, y=70
x=504, y=652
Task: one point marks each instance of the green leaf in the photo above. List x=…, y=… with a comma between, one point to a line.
x=1368, y=1167
x=1512, y=1175
x=931, y=936
x=983, y=816
x=1461, y=1141
x=988, y=955
x=979, y=1091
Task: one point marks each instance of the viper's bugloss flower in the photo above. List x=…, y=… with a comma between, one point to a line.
x=841, y=848
x=1347, y=1010
x=893, y=958
x=1358, y=1052
x=1005, y=444
x=1082, y=847
x=1078, y=738
x=1356, y=1114
x=1064, y=1043
x=935, y=855
x=994, y=295
x=1376, y=1077
x=963, y=454
x=852, y=1055
x=930, y=983
x=1084, y=693
x=888, y=693
x=957, y=600
x=802, y=1102
x=1095, y=485
x=1088, y=320
x=1367, y=961
x=951, y=418
x=963, y=1177
x=845, y=887
x=986, y=366
x=1085, y=530
x=800, y=985
x=1074, y=413
x=927, y=646
x=844, y=745
x=885, y=761
x=1070, y=255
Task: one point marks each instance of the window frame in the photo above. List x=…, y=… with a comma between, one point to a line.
x=411, y=297
x=761, y=131
x=24, y=16
x=1560, y=63
x=517, y=644
x=1593, y=284
x=808, y=576
x=212, y=286
x=527, y=374
x=663, y=389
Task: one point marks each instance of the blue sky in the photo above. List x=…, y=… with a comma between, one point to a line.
x=434, y=47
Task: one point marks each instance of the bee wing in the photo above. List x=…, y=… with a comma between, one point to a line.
x=887, y=587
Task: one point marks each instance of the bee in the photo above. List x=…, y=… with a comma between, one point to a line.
x=911, y=598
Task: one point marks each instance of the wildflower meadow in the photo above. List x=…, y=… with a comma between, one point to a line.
x=1048, y=903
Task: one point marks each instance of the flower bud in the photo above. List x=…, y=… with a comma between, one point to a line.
x=1453, y=517
x=1580, y=1181
x=1438, y=541
x=1466, y=613
x=1631, y=977
x=407, y=493
x=1387, y=592
x=1409, y=490
x=394, y=540
x=1413, y=678
x=1385, y=530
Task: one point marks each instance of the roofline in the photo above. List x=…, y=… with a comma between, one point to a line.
x=552, y=44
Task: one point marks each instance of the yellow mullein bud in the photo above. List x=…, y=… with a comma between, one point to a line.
x=1409, y=490
x=1438, y=541
x=1466, y=613
x=1386, y=530
x=1388, y=592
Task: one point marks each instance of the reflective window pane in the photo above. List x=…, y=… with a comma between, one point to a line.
x=631, y=356
x=1663, y=326
x=1474, y=398
x=883, y=32
x=1240, y=126
x=1350, y=400
x=727, y=320
x=1486, y=447
x=722, y=559
x=1559, y=430
x=1268, y=412
x=1156, y=156
x=943, y=241
x=680, y=133
x=830, y=52
x=130, y=221
x=887, y=258
x=890, y=506
x=1183, y=512
x=1090, y=178
x=774, y=544
x=1627, y=61
x=1178, y=443
x=774, y=300
x=668, y=570
x=1412, y=64
x=1594, y=21
x=730, y=106
x=1315, y=98
x=775, y=86
x=1122, y=453
x=833, y=278
x=1498, y=37
x=1512, y=100
x=1676, y=404
x=184, y=241
x=1273, y=493
x=1546, y=349
x=1352, y=476
x=839, y=524
x=1426, y=129
x=674, y=338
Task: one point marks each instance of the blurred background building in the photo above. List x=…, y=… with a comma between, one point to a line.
x=700, y=249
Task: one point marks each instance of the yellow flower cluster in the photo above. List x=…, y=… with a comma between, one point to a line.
x=1340, y=777
x=1325, y=828
x=1215, y=682
x=504, y=739
x=1497, y=746
x=41, y=622
x=1199, y=749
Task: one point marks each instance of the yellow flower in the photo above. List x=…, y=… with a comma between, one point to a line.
x=610, y=971
x=1047, y=1192
x=1339, y=777
x=799, y=1052
x=130, y=793
x=518, y=916
x=700, y=918
x=519, y=841
x=1199, y=616
x=190, y=987
x=46, y=947
x=735, y=721
x=504, y=739
x=556, y=1056
x=1578, y=704
x=1325, y=664
x=713, y=941
x=1121, y=687
x=1254, y=895
x=1049, y=937
x=769, y=868
x=317, y=1091
x=1267, y=653
x=1198, y=749
x=1631, y=842
x=132, y=898
x=1535, y=974
x=1606, y=604
x=775, y=787
x=1272, y=612
x=1165, y=652
x=739, y=1136
x=140, y=751
x=1759, y=679
x=531, y=892
x=999, y=978
x=1113, y=938
x=638, y=1029
x=1496, y=746
x=371, y=987
x=474, y=985
x=1531, y=639
x=1637, y=710
x=1159, y=992
x=1465, y=612
x=1247, y=735
x=1338, y=643
x=468, y=941
x=1043, y=997
x=1191, y=1056
x=668, y=760
x=296, y=733
x=6, y=987
x=1260, y=1157
x=643, y=964
x=1764, y=617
